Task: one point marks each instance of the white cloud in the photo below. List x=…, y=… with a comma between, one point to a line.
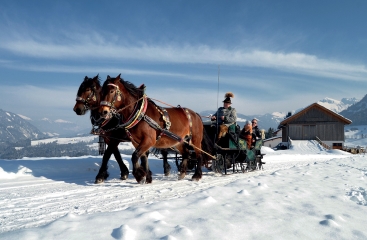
x=97, y=47
x=41, y=99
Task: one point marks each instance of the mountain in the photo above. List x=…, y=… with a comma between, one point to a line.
x=272, y=120
x=57, y=128
x=13, y=128
x=336, y=105
x=266, y=121
x=357, y=112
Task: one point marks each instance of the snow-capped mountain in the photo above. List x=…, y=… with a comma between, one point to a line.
x=58, y=127
x=357, y=112
x=336, y=105
x=13, y=128
x=266, y=121
x=272, y=120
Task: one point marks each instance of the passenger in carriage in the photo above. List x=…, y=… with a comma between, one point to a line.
x=256, y=129
x=227, y=115
x=256, y=134
x=246, y=134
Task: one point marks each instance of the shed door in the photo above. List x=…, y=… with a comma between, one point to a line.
x=309, y=132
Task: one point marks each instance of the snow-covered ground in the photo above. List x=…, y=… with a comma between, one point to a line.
x=303, y=193
x=59, y=140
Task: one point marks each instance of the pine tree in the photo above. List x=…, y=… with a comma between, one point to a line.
x=269, y=133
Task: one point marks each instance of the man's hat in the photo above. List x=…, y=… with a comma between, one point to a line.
x=228, y=97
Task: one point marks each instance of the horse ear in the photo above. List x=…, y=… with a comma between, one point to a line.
x=86, y=78
x=118, y=77
x=108, y=77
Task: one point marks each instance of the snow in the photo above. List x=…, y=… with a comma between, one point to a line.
x=356, y=136
x=24, y=117
x=61, y=121
x=65, y=140
x=306, y=192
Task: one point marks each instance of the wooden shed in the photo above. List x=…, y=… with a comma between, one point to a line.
x=315, y=122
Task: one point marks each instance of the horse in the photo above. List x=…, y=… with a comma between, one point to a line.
x=88, y=98
x=149, y=125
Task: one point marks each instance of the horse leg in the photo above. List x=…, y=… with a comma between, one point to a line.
x=138, y=171
x=198, y=172
x=166, y=166
x=145, y=166
x=183, y=167
x=102, y=173
x=123, y=168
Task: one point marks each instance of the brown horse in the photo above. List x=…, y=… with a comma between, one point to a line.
x=88, y=98
x=151, y=126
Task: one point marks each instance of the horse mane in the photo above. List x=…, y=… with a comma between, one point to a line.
x=89, y=83
x=130, y=87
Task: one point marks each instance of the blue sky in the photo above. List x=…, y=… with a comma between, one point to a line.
x=273, y=55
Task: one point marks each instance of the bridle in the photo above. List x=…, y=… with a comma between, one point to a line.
x=116, y=97
x=92, y=96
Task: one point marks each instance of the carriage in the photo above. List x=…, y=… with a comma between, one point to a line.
x=232, y=152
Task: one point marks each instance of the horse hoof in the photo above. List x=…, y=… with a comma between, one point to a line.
x=124, y=177
x=99, y=181
x=181, y=176
x=142, y=181
x=166, y=174
x=196, y=178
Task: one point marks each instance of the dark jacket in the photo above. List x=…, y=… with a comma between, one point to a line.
x=257, y=132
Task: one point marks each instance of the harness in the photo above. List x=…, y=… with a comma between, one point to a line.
x=139, y=113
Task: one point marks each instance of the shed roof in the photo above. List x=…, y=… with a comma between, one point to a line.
x=322, y=108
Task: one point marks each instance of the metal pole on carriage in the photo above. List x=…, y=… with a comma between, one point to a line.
x=217, y=103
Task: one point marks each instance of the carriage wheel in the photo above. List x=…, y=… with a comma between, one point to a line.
x=218, y=164
x=259, y=163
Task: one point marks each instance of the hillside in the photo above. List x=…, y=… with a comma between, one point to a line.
x=14, y=128
x=357, y=112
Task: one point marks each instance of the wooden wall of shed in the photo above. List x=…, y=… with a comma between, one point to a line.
x=314, y=123
x=314, y=115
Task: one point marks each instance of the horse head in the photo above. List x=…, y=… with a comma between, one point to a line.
x=88, y=95
x=111, y=95
x=118, y=95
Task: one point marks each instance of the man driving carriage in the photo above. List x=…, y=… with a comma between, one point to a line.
x=234, y=149
x=226, y=116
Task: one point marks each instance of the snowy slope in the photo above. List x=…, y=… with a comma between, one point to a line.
x=57, y=199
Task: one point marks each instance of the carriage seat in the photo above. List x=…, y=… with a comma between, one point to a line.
x=228, y=136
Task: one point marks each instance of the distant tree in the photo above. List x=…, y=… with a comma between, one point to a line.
x=270, y=133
